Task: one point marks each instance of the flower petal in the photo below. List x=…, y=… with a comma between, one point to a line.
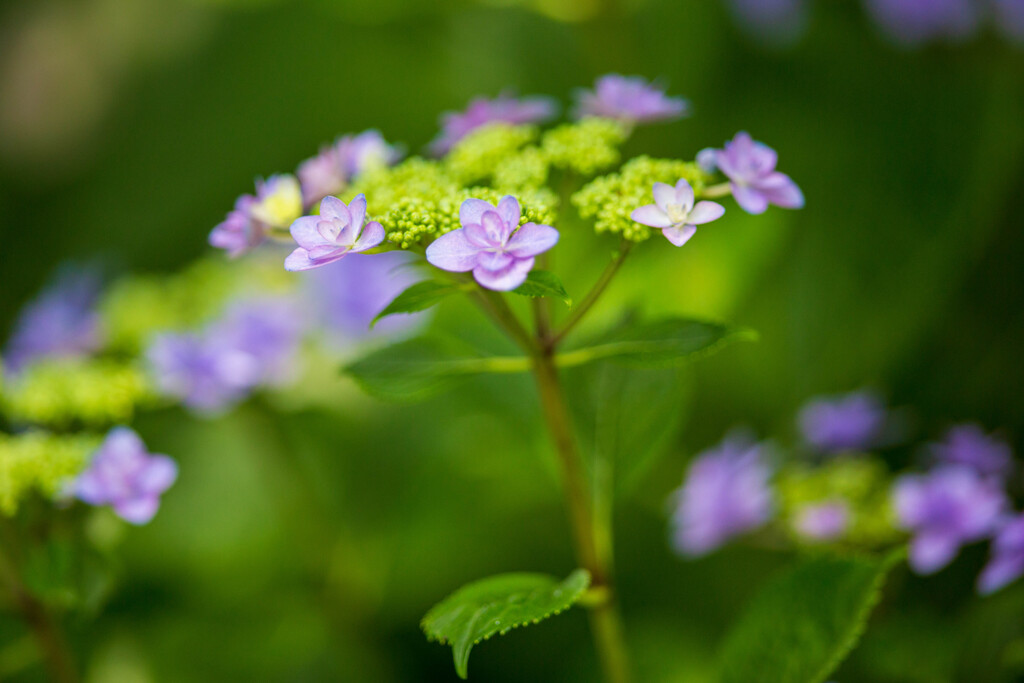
x=493, y=260
x=138, y=510
x=357, y=210
x=508, y=209
x=305, y=232
x=750, y=199
x=507, y=278
x=705, y=212
x=332, y=207
x=373, y=234
x=683, y=194
x=931, y=552
x=495, y=229
x=664, y=195
x=651, y=215
x=679, y=235
x=300, y=259
x=532, y=239
x=160, y=472
x=453, y=252
x=472, y=210
x=780, y=190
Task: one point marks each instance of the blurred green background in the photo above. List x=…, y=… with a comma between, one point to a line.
x=306, y=547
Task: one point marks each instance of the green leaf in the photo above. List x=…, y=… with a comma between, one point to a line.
x=802, y=625
x=417, y=368
x=418, y=297
x=542, y=283
x=496, y=605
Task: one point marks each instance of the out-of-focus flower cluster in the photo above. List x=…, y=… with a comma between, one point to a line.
x=835, y=490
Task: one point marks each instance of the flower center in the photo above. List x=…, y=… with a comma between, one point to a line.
x=677, y=213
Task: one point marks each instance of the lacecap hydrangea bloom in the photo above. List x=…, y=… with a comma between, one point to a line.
x=277, y=202
x=726, y=493
x=675, y=213
x=492, y=244
x=504, y=108
x=629, y=98
x=969, y=446
x=750, y=167
x=339, y=230
x=843, y=423
x=125, y=476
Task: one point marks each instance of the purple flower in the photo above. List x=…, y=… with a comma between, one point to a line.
x=968, y=445
x=823, y=521
x=629, y=98
x=772, y=21
x=329, y=172
x=367, y=150
x=1007, y=563
x=322, y=175
x=504, y=108
x=674, y=212
x=726, y=493
x=913, y=22
x=278, y=202
x=337, y=231
x=750, y=166
x=1009, y=18
x=490, y=245
x=349, y=294
x=266, y=330
x=202, y=373
x=124, y=475
x=844, y=423
x=945, y=509
x=60, y=322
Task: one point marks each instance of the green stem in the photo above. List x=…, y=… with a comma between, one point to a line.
x=592, y=296
x=45, y=630
x=715, y=191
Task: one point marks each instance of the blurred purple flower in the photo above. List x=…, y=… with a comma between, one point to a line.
x=504, y=108
x=1007, y=562
x=329, y=171
x=913, y=22
x=61, y=321
x=337, y=231
x=726, y=493
x=945, y=509
x=750, y=166
x=492, y=244
x=1009, y=18
x=674, y=212
x=268, y=330
x=968, y=445
x=823, y=521
x=843, y=423
x=124, y=475
x=366, y=150
x=629, y=98
x=277, y=202
x=349, y=294
x=778, y=22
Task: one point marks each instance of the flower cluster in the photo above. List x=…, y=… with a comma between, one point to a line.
x=851, y=499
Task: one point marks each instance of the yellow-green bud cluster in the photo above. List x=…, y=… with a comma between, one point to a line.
x=861, y=482
x=474, y=158
x=610, y=199
x=585, y=147
x=39, y=462
x=61, y=392
x=528, y=169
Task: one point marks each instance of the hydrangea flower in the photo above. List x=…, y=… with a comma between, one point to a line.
x=61, y=322
x=277, y=202
x=726, y=493
x=842, y=423
x=267, y=330
x=366, y=150
x=337, y=231
x=1007, y=562
x=629, y=98
x=674, y=212
x=492, y=244
x=504, y=108
x=823, y=521
x=771, y=21
x=945, y=509
x=125, y=476
x=330, y=170
x=970, y=446
x=913, y=22
x=750, y=167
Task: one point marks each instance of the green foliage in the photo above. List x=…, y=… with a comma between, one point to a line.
x=611, y=198
x=542, y=283
x=803, y=623
x=39, y=462
x=585, y=147
x=418, y=297
x=496, y=605
x=660, y=343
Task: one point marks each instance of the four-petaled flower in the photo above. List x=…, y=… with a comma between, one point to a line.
x=337, y=231
x=674, y=212
x=125, y=476
x=850, y=422
x=490, y=245
x=629, y=98
x=750, y=166
x=277, y=202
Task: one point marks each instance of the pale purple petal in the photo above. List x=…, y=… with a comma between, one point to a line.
x=780, y=190
x=532, y=239
x=299, y=260
x=158, y=475
x=651, y=215
x=453, y=251
x=373, y=234
x=496, y=230
x=683, y=194
x=472, y=210
x=705, y=212
x=931, y=552
x=357, y=210
x=332, y=207
x=490, y=260
x=305, y=231
x=1000, y=573
x=506, y=279
x=508, y=209
x=138, y=510
x=750, y=200
x=679, y=235
x=90, y=488
x=664, y=196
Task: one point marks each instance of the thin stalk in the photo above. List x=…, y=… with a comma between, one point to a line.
x=715, y=191
x=592, y=296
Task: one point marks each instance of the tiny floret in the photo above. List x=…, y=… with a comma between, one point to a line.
x=674, y=212
x=825, y=521
x=492, y=244
x=125, y=476
x=337, y=231
x=277, y=202
x=504, y=108
x=629, y=98
x=750, y=167
x=851, y=422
